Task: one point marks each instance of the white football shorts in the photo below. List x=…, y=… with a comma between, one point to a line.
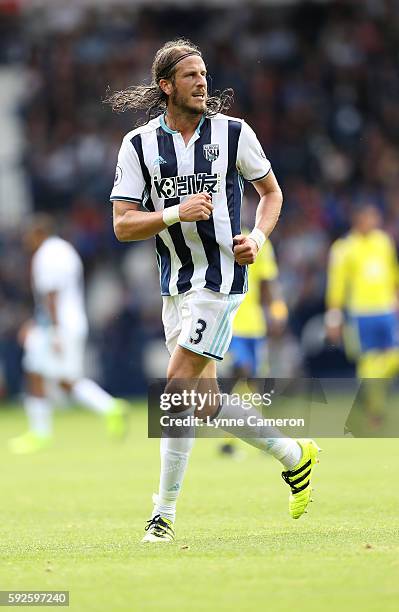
x=41, y=357
x=200, y=320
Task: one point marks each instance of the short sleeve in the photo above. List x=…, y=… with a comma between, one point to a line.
x=48, y=280
x=49, y=271
x=129, y=182
x=252, y=162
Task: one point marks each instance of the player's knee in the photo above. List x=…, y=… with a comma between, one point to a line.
x=35, y=385
x=66, y=386
x=378, y=364
x=185, y=364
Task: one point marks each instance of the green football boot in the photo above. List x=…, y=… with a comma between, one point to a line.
x=299, y=478
x=116, y=419
x=29, y=443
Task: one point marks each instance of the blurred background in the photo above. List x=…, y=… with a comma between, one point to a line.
x=318, y=81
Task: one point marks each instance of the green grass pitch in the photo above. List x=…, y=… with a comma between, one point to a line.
x=72, y=519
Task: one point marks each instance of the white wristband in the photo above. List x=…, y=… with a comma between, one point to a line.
x=171, y=215
x=258, y=236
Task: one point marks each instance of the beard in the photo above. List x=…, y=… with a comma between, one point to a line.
x=186, y=104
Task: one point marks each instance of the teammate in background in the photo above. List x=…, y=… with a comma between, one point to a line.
x=362, y=287
x=247, y=348
x=186, y=165
x=54, y=341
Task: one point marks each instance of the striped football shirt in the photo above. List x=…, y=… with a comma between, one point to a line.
x=157, y=169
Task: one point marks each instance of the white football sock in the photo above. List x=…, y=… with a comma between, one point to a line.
x=39, y=413
x=89, y=394
x=175, y=453
x=268, y=439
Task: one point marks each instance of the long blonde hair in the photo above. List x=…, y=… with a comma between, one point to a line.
x=151, y=98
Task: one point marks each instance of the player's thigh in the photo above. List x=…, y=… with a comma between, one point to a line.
x=190, y=371
x=35, y=384
x=69, y=364
x=185, y=367
x=55, y=355
x=36, y=351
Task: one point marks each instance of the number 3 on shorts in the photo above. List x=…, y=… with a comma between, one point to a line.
x=199, y=330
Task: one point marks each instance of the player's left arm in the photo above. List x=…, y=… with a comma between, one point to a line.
x=50, y=300
x=48, y=279
x=273, y=301
x=338, y=281
x=267, y=214
x=395, y=269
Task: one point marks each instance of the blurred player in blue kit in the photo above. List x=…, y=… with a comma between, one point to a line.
x=362, y=295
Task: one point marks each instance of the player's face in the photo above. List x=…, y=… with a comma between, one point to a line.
x=31, y=240
x=368, y=220
x=189, y=91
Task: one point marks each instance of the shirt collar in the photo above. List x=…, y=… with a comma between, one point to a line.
x=169, y=130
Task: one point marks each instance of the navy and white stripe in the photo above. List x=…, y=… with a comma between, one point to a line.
x=154, y=163
x=168, y=169
x=234, y=199
x=162, y=251
x=206, y=229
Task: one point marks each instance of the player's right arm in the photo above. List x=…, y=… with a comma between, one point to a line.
x=133, y=224
x=129, y=188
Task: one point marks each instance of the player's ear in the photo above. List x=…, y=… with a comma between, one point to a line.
x=166, y=86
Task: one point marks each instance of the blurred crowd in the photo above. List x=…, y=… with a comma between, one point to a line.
x=317, y=81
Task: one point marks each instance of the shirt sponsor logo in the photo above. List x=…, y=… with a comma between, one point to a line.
x=211, y=152
x=189, y=184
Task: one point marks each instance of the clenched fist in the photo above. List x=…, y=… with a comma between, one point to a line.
x=198, y=207
x=245, y=249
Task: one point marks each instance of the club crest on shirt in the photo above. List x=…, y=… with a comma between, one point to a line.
x=211, y=152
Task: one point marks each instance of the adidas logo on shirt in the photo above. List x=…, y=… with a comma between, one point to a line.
x=159, y=160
